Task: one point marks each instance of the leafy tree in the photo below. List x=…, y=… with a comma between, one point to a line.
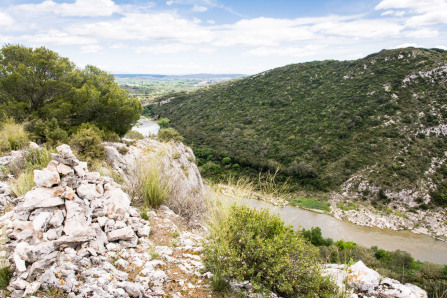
x=38, y=84
x=169, y=134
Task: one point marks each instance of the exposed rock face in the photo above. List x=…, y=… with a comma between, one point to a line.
x=82, y=236
x=176, y=163
x=365, y=282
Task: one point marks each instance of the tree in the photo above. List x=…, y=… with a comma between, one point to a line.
x=38, y=84
x=163, y=122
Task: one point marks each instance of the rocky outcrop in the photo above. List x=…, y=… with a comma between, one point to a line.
x=76, y=232
x=361, y=281
x=176, y=163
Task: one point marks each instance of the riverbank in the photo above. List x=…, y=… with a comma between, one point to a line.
x=426, y=222
x=421, y=246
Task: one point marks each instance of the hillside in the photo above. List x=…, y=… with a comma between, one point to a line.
x=374, y=126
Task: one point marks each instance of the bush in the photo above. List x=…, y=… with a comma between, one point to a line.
x=169, y=134
x=47, y=132
x=226, y=161
x=22, y=184
x=134, y=135
x=256, y=246
x=12, y=136
x=163, y=123
x=87, y=143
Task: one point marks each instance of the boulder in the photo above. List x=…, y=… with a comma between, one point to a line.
x=78, y=219
x=117, y=203
x=64, y=169
x=363, y=278
x=46, y=177
x=121, y=234
x=41, y=197
x=87, y=191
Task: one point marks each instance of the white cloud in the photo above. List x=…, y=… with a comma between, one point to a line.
x=297, y=52
x=423, y=33
x=360, y=28
x=441, y=47
x=146, y=27
x=119, y=45
x=169, y=3
x=56, y=38
x=199, y=8
x=427, y=12
x=211, y=22
x=80, y=8
x=163, y=49
x=92, y=48
x=197, y=21
x=388, y=12
x=6, y=20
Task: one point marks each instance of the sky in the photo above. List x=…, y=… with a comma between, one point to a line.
x=219, y=36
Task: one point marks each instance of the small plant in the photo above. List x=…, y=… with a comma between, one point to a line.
x=175, y=155
x=123, y=150
x=175, y=234
x=174, y=243
x=144, y=214
x=169, y=134
x=5, y=271
x=12, y=136
x=152, y=188
x=22, y=184
x=135, y=135
x=163, y=123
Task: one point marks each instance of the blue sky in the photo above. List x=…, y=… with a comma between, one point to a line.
x=219, y=36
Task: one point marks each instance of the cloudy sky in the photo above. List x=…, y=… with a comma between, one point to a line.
x=219, y=36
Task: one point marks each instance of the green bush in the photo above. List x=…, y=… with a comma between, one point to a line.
x=163, y=123
x=135, y=135
x=226, y=161
x=169, y=134
x=87, y=143
x=315, y=237
x=47, y=131
x=12, y=136
x=256, y=246
x=152, y=188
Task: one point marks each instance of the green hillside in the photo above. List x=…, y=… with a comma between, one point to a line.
x=379, y=121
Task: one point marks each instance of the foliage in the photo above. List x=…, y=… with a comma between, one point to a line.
x=39, y=84
x=12, y=136
x=135, y=135
x=151, y=187
x=163, y=123
x=87, y=143
x=256, y=246
x=169, y=134
x=47, y=131
x=22, y=184
x=315, y=237
x=322, y=122
x=311, y=203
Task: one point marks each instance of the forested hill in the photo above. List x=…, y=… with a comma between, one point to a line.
x=380, y=120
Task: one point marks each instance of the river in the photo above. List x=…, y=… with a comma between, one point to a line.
x=146, y=126
x=421, y=247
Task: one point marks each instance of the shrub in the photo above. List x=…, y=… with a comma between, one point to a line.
x=123, y=150
x=5, y=271
x=87, y=143
x=226, y=161
x=254, y=245
x=169, y=134
x=47, y=132
x=135, y=135
x=315, y=237
x=22, y=184
x=12, y=136
x=163, y=123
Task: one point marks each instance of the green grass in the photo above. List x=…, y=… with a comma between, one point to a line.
x=153, y=189
x=311, y=203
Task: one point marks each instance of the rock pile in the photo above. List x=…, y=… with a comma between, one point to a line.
x=362, y=281
x=77, y=232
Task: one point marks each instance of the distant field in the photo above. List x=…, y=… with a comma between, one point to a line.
x=149, y=86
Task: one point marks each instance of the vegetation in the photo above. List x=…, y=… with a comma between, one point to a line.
x=256, y=246
x=399, y=265
x=322, y=122
x=12, y=136
x=311, y=203
x=87, y=143
x=169, y=134
x=38, y=84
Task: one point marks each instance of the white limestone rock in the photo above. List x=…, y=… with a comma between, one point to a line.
x=41, y=197
x=117, y=203
x=46, y=177
x=121, y=234
x=88, y=191
x=78, y=219
x=363, y=278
